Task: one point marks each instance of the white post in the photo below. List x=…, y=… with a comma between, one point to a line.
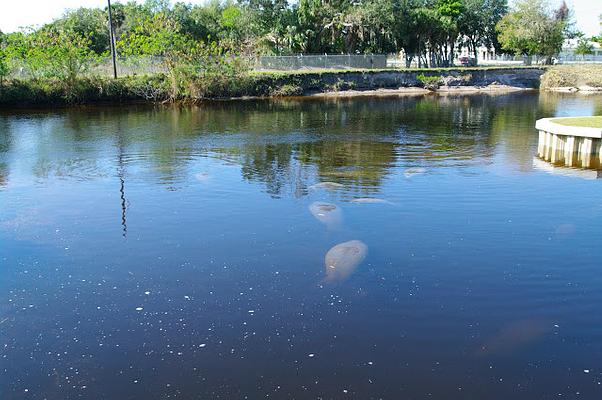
x=557, y=149
x=548, y=149
x=541, y=144
x=586, y=155
x=569, y=151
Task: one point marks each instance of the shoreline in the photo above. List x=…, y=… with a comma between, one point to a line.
x=156, y=89
x=575, y=89
x=418, y=91
x=336, y=83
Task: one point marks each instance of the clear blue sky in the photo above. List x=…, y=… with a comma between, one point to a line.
x=17, y=13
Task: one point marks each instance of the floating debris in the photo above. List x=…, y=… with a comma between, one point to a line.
x=342, y=260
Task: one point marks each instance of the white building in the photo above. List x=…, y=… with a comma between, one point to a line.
x=483, y=53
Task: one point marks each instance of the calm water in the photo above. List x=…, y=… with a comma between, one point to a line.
x=155, y=253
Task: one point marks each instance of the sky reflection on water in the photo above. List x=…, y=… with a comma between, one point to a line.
x=178, y=252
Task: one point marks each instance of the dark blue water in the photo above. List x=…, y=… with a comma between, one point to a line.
x=158, y=253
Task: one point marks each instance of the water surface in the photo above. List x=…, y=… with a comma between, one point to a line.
x=154, y=253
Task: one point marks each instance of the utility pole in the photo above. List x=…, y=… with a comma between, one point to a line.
x=112, y=37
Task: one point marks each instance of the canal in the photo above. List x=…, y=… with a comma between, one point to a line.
x=191, y=252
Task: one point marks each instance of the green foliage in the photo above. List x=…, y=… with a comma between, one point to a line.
x=51, y=53
x=478, y=23
x=4, y=67
x=155, y=35
x=531, y=28
x=91, y=23
x=287, y=90
x=195, y=69
x=429, y=82
x=369, y=26
x=584, y=45
x=231, y=16
x=158, y=88
x=204, y=46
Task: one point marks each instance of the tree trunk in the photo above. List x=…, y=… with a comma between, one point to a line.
x=409, y=59
x=419, y=54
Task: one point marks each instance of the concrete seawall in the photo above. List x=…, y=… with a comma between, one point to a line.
x=569, y=146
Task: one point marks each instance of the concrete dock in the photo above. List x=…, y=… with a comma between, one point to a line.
x=569, y=146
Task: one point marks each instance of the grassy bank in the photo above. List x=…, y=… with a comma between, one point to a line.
x=572, y=76
x=163, y=88
x=584, y=122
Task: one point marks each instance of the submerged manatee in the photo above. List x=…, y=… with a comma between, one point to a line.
x=202, y=176
x=370, y=200
x=327, y=186
x=327, y=213
x=564, y=230
x=342, y=260
x=515, y=336
x=414, y=171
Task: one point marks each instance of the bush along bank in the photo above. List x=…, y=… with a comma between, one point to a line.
x=573, y=78
x=165, y=88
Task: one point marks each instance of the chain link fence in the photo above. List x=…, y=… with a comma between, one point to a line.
x=126, y=66
x=571, y=58
x=130, y=66
x=322, y=61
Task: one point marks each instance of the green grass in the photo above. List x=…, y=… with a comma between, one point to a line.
x=585, y=122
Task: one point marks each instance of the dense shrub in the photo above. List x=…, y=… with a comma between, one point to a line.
x=572, y=76
x=429, y=82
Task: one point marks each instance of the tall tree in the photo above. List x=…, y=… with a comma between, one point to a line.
x=4, y=69
x=478, y=21
x=87, y=22
x=532, y=28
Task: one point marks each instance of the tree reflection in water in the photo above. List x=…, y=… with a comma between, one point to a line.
x=289, y=145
